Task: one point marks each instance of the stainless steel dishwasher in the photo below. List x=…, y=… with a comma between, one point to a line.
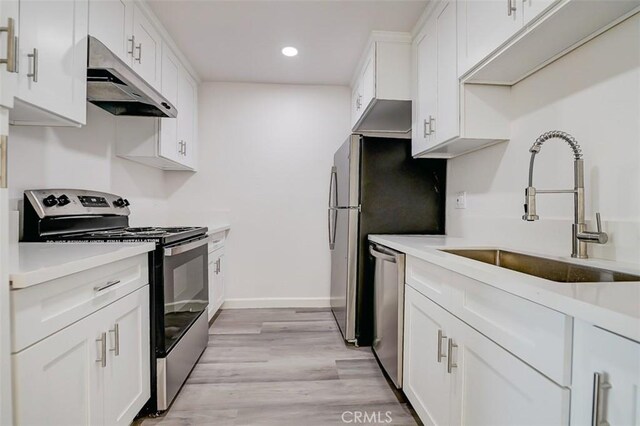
x=388, y=284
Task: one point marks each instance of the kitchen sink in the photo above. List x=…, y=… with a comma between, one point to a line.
x=549, y=269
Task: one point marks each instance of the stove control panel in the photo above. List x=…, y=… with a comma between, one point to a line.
x=75, y=202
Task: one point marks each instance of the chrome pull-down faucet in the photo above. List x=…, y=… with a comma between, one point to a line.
x=580, y=235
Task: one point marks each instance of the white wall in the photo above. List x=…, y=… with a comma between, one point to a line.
x=67, y=157
x=594, y=94
x=264, y=159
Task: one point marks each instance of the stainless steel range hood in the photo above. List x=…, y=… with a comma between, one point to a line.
x=114, y=86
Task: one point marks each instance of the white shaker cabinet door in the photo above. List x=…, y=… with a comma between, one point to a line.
x=127, y=381
x=606, y=378
x=169, y=145
x=9, y=19
x=483, y=26
x=427, y=87
x=53, y=57
x=147, y=49
x=426, y=382
x=111, y=22
x=59, y=381
x=447, y=124
x=492, y=387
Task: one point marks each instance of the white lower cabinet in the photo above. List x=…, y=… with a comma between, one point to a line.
x=606, y=378
x=216, y=280
x=454, y=375
x=93, y=372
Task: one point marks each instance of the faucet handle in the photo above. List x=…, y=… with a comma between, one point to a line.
x=598, y=222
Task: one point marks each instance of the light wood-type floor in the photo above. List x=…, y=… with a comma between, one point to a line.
x=283, y=367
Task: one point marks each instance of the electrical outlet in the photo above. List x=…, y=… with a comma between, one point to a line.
x=461, y=200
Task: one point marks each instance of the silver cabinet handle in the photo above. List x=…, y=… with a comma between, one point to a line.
x=139, y=49
x=441, y=336
x=132, y=40
x=4, y=160
x=511, y=7
x=185, y=148
x=10, y=60
x=450, y=364
x=106, y=286
x=116, y=339
x=217, y=266
x=102, y=359
x=596, y=403
x=34, y=73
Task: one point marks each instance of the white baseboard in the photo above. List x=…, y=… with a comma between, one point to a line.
x=273, y=302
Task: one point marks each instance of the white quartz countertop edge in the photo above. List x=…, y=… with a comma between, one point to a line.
x=617, y=311
x=37, y=263
x=214, y=229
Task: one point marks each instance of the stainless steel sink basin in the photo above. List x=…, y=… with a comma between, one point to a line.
x=554, y=270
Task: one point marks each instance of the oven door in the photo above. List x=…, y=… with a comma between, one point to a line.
x=186, y=284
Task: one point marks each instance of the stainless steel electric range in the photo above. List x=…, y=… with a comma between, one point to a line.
x=178, y=274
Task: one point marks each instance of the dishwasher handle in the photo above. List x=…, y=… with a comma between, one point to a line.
x=380, y=255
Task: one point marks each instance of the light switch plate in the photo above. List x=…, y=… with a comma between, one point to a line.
x=461, y=200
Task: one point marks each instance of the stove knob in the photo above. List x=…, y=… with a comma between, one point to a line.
x=63, y=200
x=126, y=202
x=50, y=201
x=120, y=202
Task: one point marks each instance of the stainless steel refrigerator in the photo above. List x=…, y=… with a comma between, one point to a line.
x=375, y=187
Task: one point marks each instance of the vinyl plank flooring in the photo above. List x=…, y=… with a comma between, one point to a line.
x=283, y=367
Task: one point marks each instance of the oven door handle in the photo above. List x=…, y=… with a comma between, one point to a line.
x=172, y=251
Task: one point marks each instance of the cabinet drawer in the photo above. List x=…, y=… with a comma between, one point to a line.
x=538, y=335
x=429, y=279
x=41, y=310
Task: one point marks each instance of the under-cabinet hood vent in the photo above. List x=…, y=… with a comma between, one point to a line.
x=115, y=87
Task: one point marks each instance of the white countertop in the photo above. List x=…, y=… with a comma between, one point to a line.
x=612, y=306
x=35, y=263
x=214, y=229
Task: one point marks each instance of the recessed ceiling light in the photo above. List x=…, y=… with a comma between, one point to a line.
x=289, y=51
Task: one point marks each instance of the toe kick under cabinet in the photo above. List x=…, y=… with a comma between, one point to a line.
x=81, y=347
x=475, y=355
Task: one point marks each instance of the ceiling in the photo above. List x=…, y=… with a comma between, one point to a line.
x=238, y=40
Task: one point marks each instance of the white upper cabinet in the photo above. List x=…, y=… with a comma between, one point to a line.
x=171, y=69
x=381, y=89
x=9, y=21
x=187, y=119
x=450, y=118
x=52, y=63
x=606, y=378
x=147, y=49
x=504, y=41
x=485, y=25
x=165, y=143
x=111, y=22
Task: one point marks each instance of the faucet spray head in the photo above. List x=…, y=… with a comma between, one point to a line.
x=530, y=205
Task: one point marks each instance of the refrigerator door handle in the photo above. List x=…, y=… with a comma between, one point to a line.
x=332, y=231
x=333, y=184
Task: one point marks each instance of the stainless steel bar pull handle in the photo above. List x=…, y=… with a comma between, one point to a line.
x=450, y=364
x=510, y=7
x=132, y=40
x=139, y=49
x=34, y=73
x=116, y=339
x=102, y=358
x=10, y=60
x=107, y=285
x=597, y=401
x=441, y=336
